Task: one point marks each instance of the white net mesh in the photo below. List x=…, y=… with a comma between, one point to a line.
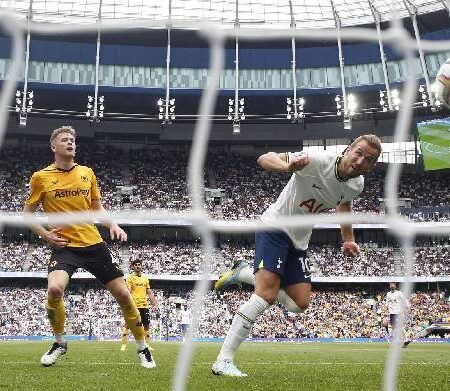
x=405, y=231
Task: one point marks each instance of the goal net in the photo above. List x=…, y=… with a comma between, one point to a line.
x=216, y=35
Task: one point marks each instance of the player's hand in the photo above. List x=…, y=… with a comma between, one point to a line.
x=351, y=249
x=298, y=163
x=54, y=240
x=115, y=232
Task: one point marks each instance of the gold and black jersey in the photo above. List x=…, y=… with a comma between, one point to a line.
x=67, y=191
x=138, y=286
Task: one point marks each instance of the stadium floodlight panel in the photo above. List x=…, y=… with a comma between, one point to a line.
x=18, y=93
x=172, y=101
x=30, y=95
x=159, y=102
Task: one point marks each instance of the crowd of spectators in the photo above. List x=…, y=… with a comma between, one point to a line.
x=157, y=177
x=186, y=258
x=13, y=255
x=332, y=313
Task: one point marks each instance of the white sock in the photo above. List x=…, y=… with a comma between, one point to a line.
x=286, y=301
x=141, y=345
x=242, y=323
x=59, y=338
x=246, y=275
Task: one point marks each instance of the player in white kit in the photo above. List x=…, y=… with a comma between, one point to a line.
x=320, y=182
x=395, y=299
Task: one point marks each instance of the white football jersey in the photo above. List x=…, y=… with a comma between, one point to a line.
x=314, y=189
x=185, y=316
x=394, y=301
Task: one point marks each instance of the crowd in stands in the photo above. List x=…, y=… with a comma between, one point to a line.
x=332, y=313
x=157, y=177
x=13, y=255
x=186, y=258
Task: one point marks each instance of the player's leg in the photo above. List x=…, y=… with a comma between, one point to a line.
x=271, y=251
x=54, y=305
x=241, y=272
x=125, y=332
x=132, y=317
x=297, y=297
x=266, y=289
x=297, y=282
x=100, y=263
x=145, y=317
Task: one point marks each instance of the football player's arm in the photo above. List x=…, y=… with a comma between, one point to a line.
x=281, y=162
x=29, y=210
x=50, y=236
x=152, y=298
x=115, y=232
x=349, y=247
x=128, y=283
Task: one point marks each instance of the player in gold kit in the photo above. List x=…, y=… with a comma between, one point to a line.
x=139, y=287
x=66, y=187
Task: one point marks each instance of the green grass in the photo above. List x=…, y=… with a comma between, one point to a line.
x=270, y=366
x=435, y=142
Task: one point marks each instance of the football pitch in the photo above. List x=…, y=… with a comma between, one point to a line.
x=435, y=144
x=270, y=366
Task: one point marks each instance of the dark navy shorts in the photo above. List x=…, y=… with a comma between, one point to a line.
x=274, y=251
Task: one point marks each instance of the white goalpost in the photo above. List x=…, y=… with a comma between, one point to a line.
x=405, y=231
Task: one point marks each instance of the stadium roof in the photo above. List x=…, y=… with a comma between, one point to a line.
x=251, y=13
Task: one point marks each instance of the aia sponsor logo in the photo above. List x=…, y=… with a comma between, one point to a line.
x=313, y=206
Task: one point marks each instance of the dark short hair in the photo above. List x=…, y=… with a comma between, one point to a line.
x=133, y=262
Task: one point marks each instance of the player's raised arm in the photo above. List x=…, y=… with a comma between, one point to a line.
x=282, y=162
x=349, y=247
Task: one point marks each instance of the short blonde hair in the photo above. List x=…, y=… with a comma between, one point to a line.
x=62, y=129
x=371, y=139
